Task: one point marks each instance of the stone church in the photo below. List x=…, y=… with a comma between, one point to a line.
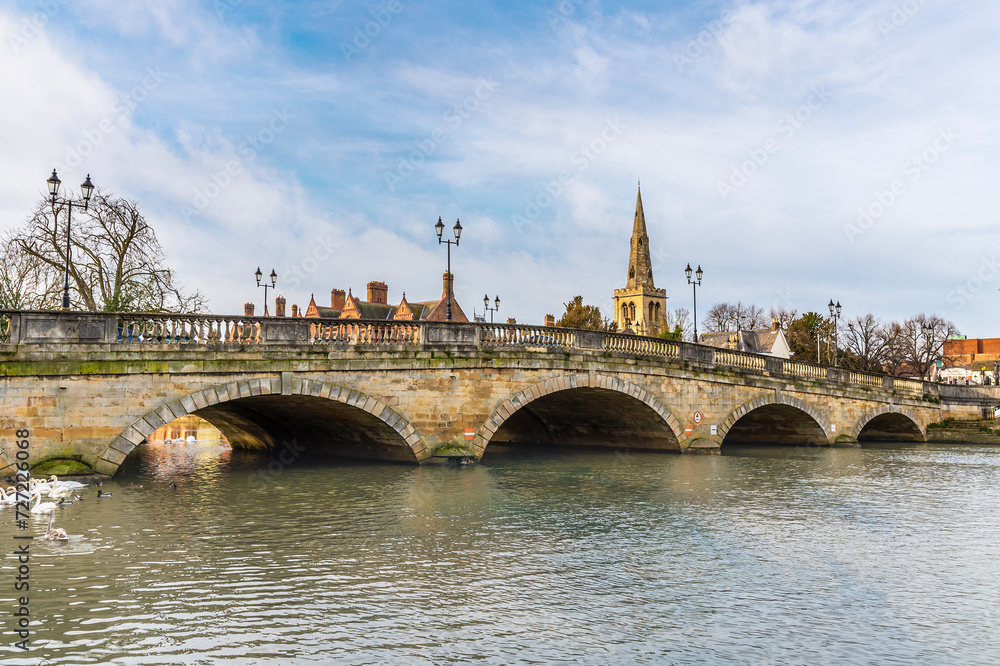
x=640, y=307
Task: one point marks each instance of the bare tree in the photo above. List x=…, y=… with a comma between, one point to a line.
x=865, y=343
x=23, y=283
x=923, y=341
x=678, y=317
x=734, y=316
x=116, y=263
x=784, y=316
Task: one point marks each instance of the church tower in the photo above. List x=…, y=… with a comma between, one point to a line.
x=640, y=307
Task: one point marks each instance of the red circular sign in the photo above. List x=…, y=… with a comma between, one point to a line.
x=697, y=417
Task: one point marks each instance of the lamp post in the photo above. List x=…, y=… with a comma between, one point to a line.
x=694, y=288
x=87, y=189
x=928, y=331
x=835, y=318
x=439, y=227
x=486, y=304
x=274, y=282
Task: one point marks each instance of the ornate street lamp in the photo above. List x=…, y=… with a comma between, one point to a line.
x=928, y=331
x=274, y=281
x=835, y=317
x=486, y=304
x=87, y=189
x=694, y=288
x=439, y=227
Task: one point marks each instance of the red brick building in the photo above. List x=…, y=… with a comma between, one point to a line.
x=973, y=353
x=376, y=305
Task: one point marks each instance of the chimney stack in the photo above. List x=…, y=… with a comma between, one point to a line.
x=248, y=309
x=775, y=326
x=550, y=320
x=338, y=298
x=295, y=310
x=447, y=284
x=279, y=306
x=378, y=292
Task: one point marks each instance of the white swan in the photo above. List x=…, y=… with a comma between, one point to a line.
x=57, y=534
x=8, y=500
x=58, y=489
x=42, y=507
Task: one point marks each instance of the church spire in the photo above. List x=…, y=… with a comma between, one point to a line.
x=640, y=267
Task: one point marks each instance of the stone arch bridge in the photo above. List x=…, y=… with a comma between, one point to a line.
x=90, y=387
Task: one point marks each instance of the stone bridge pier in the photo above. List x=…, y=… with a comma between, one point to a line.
x=92, y=387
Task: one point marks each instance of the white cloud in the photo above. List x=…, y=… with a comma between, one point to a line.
x=687, y=129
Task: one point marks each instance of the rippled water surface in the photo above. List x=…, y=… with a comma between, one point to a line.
x=887, y=554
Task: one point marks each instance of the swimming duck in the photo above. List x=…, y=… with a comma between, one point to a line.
x=101, y=493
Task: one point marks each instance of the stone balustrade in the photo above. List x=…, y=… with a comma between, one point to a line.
x=25, y=329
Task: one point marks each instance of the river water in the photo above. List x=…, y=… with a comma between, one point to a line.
x=881, y=555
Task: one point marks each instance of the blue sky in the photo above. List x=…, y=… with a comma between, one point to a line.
x=799, y=150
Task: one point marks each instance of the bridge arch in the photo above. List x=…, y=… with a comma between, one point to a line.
x=262, y=413
x=783, y=419
x=557, y=409
x=890, y=423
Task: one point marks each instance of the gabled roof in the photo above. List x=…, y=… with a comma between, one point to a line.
x=762, y=341
x=318, y=311
x=410, y=311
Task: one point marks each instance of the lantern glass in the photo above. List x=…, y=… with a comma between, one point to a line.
x=54, y=184
x=87, y=188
